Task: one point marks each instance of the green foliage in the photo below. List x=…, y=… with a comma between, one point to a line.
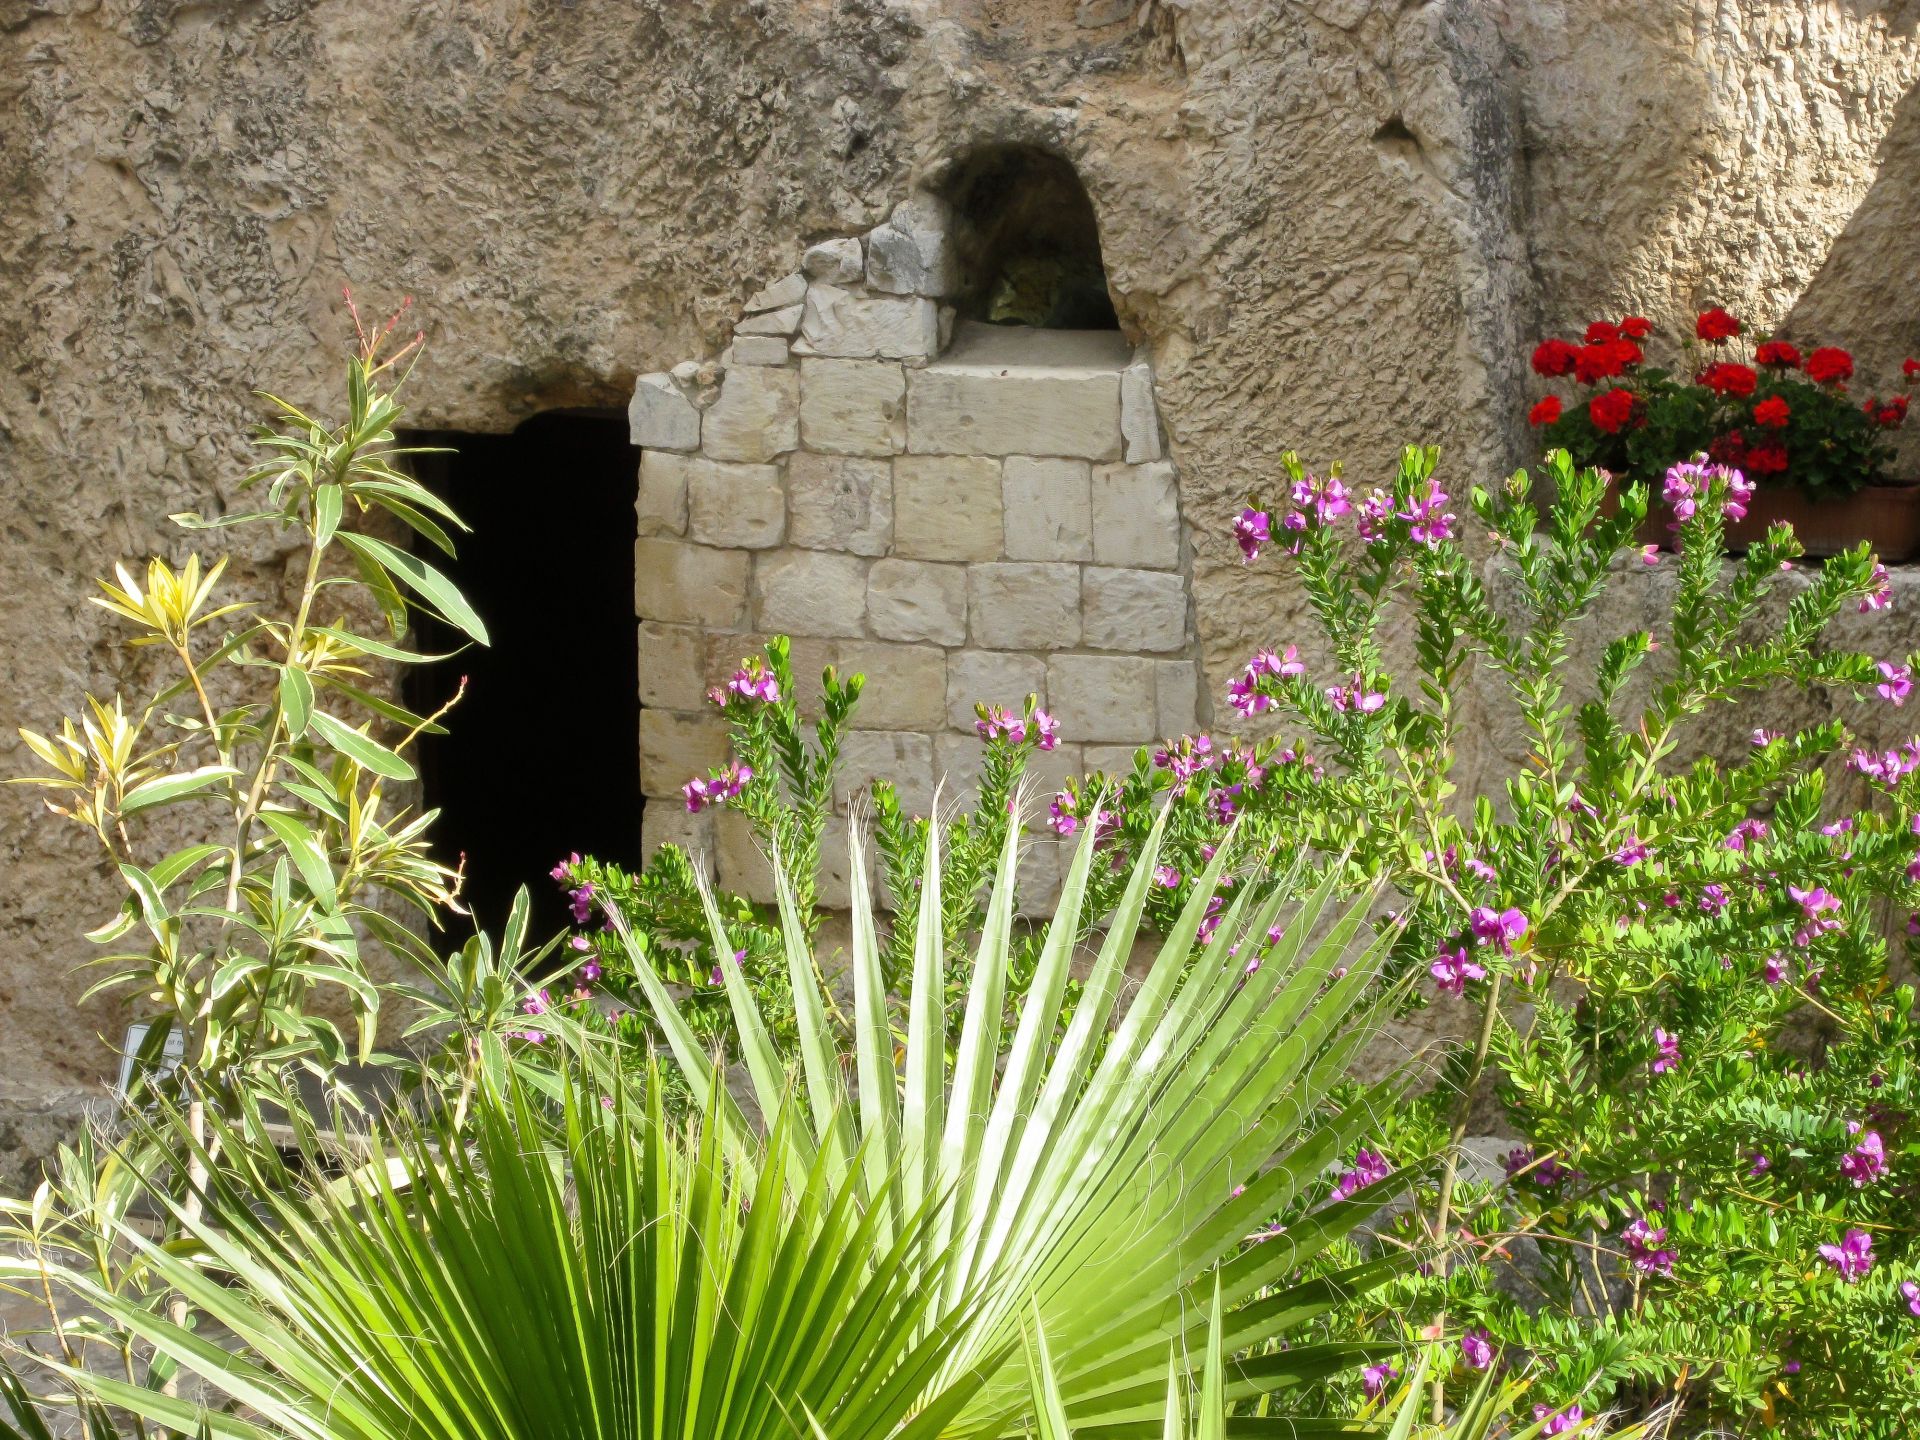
x=1094, y=1181
x=226, y=940
x=579, y=1270
x=1674, y=964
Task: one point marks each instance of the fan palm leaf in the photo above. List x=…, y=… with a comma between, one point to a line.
x=594, y=1274
x=1089, y=1166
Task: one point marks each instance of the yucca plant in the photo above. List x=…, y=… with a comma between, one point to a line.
x=590, y=1271
x=1092, y=1165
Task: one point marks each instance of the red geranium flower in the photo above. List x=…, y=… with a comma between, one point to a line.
x=1546, y=412
x=1724, y=378
x=1593, y=363
x=1716, y=326
x=1601, y=331
x=1553, y=357
x=1778, y=352
x=1771, y=411
x=1728, y=449
x=1893, y=414
x=1628, y=353
x=1612, y=410
x=1830, y=365
x=1766, y=459
x=1635, y=327
x=1910, y=368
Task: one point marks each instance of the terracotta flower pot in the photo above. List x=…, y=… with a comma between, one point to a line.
x=1886, y=516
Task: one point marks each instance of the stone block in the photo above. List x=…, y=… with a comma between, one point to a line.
x=839, y=322
x=1115, y=760
x=787, y=291
x=1039, y=870
x=853, y=407
x=739, y=864
x=958, y=761
x=840, y=502
x=666, y=822
x=775, y=323
x=1136, y=516
x=836, y=865
x=903, y=758
x=836, y=261
x=910, y=254
x=946, y=507
x=1137, y=610
x=906, y=685
x=1048, y=505
x=993, y=677
x=661, y=417
x=1102, y=697
x=759, y=349
x=1139, y=415
x=675, y=746
x=738, y=505
x=756, y=418
x=1046, y=392
x=918, y=600
x=810, y=592
x=684, y=584
x=661, y=508
x=1177, y=697
x=1021, y=605
x=672, y=666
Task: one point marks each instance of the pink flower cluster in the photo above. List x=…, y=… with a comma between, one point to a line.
x=1852, y=1258
x=1867, y=1161
x=1251, y=529
x=1354, y=696
x=717, y=788
x=1817, y=907
x=1245, y=694
x=1369, y=1168
x=1646, y=1249
x=1887, y=766
x=996, y=722
x=1691, y=481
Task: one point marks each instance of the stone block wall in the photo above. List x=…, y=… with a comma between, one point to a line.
x=961, y=512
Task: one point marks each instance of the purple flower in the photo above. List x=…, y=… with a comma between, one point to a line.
x=1758, y=1164
x=1818, y=907
x=1497, y=927
x=1649, y=554
x=1713, y=899
x=1210, y=920
x=1631, y=852
x=1060, y=814
x=996, y=722
x=1369, y=1167
x=1644, y=1247
x=1520, y=1164
x=1374, y=1379
x=1669, y=1047
x=1558, y=1422
x=1911, y=1292
x=1186, y=757
x=559, y=872
x=1745, y=833
x=1355, y=696
x=1763, y=737
x=1866, y=1162
x=1046, y=729
x=1476, y=1348
x=1852, y=1258
x=591, y=971
x=1775, y=970
x=1426, y=524
x=1896, y=682
x=717, y=788
x=582, y=902
x=1252, y=529
x=1881, y=595
x=1453, y=969
x=1166, y=877
x=752, y=681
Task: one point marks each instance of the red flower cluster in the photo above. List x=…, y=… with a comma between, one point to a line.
x=1716, y=326
x=1776, y=413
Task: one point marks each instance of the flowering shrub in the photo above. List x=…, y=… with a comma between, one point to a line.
x=1775, y=413
x=781, y=777
x=1682, y=1009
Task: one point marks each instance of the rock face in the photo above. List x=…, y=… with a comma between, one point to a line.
x=1334, y=227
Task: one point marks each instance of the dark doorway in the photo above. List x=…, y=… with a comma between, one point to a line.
x=542, y=755
x=1027, y=241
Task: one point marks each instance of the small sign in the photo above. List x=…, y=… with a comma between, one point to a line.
x=171, y=1054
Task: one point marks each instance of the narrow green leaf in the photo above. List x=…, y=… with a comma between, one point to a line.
x=165, y=789
x=422, y=578
x=360, y=748
x=296, y=699
x=307, y=856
